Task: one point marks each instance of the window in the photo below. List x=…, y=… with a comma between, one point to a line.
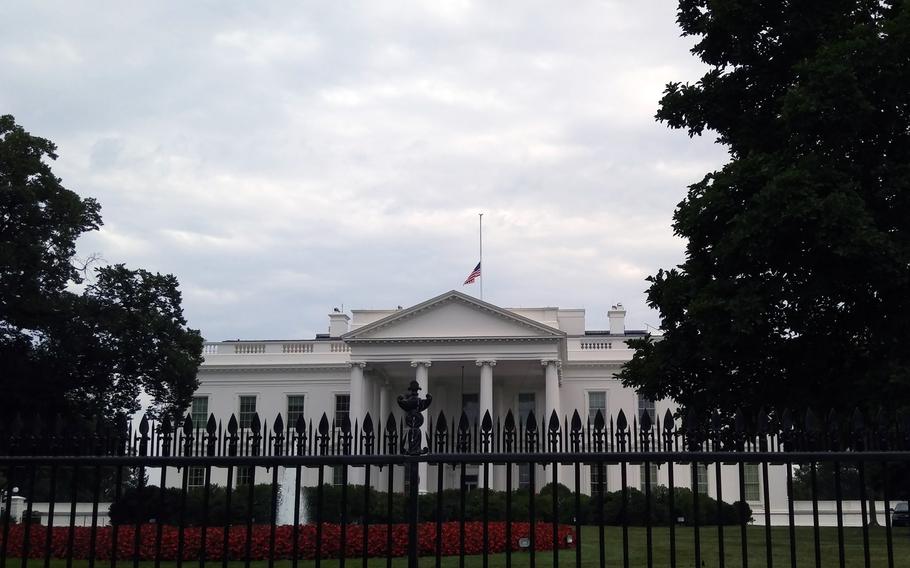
x=524, y=475
x=470, y=403
x=244, y=475
x=247, y=410
x=701, y=471
x=598, y=478
x=338, y=475
x=597, y=400
x=751, y=482
x=653, y=476
x=295, y=409
x=342, y=408
x=199, y=411
x=527, y=403
x=195, y=476
x=644, y=404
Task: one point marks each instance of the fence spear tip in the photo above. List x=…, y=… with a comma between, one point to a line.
x=621, y=422
x=509, y=423
x=576, y=421
x=553, y=426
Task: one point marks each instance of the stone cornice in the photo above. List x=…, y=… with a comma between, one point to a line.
x=592, y=364
x=484, y=339
x=292, y=383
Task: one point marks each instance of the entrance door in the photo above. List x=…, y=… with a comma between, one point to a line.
x=527, y=403
x=470, y=404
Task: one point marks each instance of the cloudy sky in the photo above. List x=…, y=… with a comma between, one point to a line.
x=283, y=159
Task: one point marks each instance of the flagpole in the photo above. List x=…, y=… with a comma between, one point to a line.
x=481, y=256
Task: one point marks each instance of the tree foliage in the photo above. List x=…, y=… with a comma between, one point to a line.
x=87, y=353
x=795, y=289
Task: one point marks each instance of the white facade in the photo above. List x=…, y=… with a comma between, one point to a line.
x=467, y=354
x=62, y=512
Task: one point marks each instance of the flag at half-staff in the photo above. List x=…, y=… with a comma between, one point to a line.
x=473, y=275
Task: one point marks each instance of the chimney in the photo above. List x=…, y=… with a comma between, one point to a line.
x=617, y=317
x=338, y=324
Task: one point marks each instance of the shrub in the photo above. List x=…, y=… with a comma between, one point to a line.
x=137, y=506
x=587, y=513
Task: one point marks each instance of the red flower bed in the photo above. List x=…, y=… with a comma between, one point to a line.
x=284, y=540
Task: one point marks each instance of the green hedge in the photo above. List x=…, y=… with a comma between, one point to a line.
x=543, y=502
x=145, y=505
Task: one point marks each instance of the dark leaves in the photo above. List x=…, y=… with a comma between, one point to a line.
x=80, y=354
x=795, y=283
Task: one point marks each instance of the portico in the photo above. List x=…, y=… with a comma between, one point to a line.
x=472, y=356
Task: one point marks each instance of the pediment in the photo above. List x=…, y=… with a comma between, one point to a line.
x=453, y=316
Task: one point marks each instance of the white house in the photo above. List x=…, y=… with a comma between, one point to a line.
x=469, y=354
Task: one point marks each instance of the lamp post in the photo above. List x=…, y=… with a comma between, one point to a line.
x=413, y=407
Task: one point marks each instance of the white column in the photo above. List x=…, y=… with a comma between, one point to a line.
x=357, y=389
x=439, y=400
x=422, y=376
x=551, y=378
x=384, y=403
x=486, y=387
x=367, y=399
x=374, y=388
x=356, y=412
x=372, y=398
x=378, y=385
x=485, y=403
x=383, y=478
x=499, y=472
x=371, y=407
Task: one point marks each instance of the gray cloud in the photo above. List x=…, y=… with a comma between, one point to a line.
x=283, y=159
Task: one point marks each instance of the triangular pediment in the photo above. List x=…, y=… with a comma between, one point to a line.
x=453, y=315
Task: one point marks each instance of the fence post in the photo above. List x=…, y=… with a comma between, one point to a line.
x=413, y=407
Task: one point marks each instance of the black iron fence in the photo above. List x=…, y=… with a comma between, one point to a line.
x=776, y=488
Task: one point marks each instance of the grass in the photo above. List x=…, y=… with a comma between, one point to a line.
x=685, y=548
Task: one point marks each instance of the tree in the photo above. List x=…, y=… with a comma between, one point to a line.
x=795, y=289
x=80, y=354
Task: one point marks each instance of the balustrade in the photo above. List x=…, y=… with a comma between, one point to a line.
x=249, y=348
x=275, y=348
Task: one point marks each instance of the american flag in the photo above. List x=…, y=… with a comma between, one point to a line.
x=473, y=275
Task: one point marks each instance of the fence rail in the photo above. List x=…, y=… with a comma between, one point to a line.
x=516, y=487
x=767, y=431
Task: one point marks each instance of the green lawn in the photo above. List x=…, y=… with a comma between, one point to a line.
x=638, y=551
